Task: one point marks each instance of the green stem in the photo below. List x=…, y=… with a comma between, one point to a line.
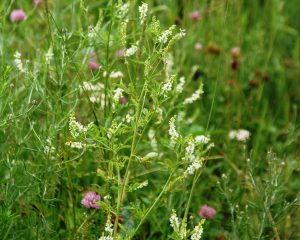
x=132, y=151
x=197, y=175
x=152, y=206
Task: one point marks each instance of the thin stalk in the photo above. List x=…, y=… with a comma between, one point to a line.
x=152, y=206
x=132, y=150
x=184, y=220
x=107, y=60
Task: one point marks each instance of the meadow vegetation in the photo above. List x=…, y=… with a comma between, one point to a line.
x=162, y=119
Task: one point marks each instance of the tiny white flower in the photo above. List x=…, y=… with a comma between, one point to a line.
x=198, y=231
x=109, y=226
x=92, y=87
x=192, y=168
x=117, y=74
x=77, y=145
x=123, y=9
x=179, y=87
x=131, y=51
x=241, y=135
x=76, y=128
x=92, y=34
x=172, y=129
x=174, y=221
x=167, y=87
x=107, y=197
x=164, y=37
x=118, y=93
x=106, y=238
x=128, y=118
x=190, y=148
x=18, y=62
x=142, y=185
x=195, y=96
x=143, y=9
x=202, y=139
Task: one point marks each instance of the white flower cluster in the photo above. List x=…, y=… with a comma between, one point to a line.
x=190, y=149
x=195, y=96
x=49, y=149
x=182, y=232
x=77, y=145
x=118, y=93
x=92, y=87
x=76, y=128
x=98, y=97
x=128, y=118
x=18, y=62
x=179, y=228
x=201, y=139
x=109, y=226
x=143, y=184
x=165, y=35
x=174, y=221
x=106, y=238
x=107, y=197
x=172, y=130
x=123, y=9
x=180, y=85
x=190, y=156
x=131, y=51
x=95, y=94
x=117, y=74
x=92, y=34
x=108, y=229
x=196, y=164
x=198, y=231
x=182, y=33
x=143, y=9
x=167, y=87
x=241, y=135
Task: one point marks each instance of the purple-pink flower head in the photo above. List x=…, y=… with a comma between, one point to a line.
x=195, y=16
x=90, y=199
x=37, y=2
x=17, y=15
x=123, y=100
x=207, y=212
x=120, y=53
x=93, y=65
x=198, y=46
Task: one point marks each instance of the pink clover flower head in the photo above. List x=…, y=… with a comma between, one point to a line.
x=37, y=2
x=90, y=199
x=120, y=53
x=93, y=65
x=123, y=100
x=17, y=15
x=195, y=16
x=198, y=46
x=207, y=212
